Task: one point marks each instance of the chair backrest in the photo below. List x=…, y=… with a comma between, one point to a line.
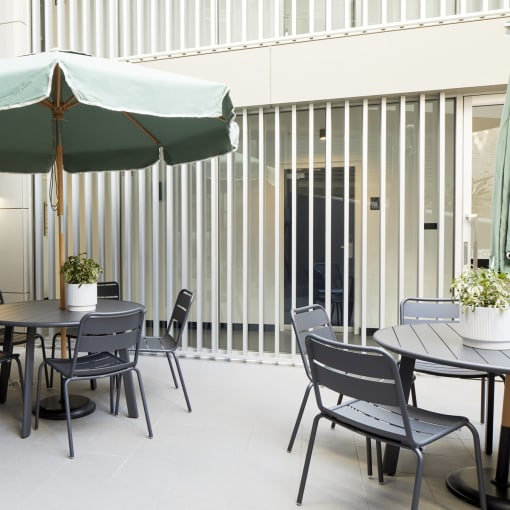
x=108, y=290
x=1, y=298
x=421, y=310
x=180, y=313
x=319, y=272
x=363, y=373
x=310, y=319
x=109, y=332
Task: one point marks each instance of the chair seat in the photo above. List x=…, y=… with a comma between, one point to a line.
x=157, y=343
x=382, y=423
x=100, y=363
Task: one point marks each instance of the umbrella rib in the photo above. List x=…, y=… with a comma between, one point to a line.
x=139, y=126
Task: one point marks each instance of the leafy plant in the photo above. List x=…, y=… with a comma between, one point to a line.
x=79, y=269
x=482, y=287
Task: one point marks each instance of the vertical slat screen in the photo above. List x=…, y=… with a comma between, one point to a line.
x=402, y=200
x=441, y=192
x=293, y=213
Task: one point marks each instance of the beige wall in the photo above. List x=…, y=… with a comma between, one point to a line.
x=15, y=190
x=450, y=56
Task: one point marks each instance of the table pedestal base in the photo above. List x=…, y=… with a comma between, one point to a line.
x=52, y=408
x=464, y=484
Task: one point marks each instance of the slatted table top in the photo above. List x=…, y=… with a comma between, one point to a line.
x=441, y=343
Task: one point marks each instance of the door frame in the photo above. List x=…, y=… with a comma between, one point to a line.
x=464, y=173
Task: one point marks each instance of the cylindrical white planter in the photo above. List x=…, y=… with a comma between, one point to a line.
x=485, y=328
x=81, y=298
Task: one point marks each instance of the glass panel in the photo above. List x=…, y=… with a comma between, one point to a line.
x=486, y=120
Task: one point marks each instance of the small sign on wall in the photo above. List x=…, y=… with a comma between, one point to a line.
x=375, y=203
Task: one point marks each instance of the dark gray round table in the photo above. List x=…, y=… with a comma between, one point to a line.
x=441, y=343
x=47, y=314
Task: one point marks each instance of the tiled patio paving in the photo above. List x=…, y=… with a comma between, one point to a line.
x=229, y=453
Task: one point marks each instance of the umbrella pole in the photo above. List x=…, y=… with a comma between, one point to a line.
x=61, y=237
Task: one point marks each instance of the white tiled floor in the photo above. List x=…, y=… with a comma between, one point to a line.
x=229, y=453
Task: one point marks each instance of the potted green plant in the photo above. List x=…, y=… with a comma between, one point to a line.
x=484, y=295
x=80, y=275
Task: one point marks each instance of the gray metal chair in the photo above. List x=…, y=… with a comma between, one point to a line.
x=422, y=310
x=305, y=320
x=20, y=338
x=377, y=409
x=105, y=290
x=171, y=340
x=315, y=319
x=106, y=338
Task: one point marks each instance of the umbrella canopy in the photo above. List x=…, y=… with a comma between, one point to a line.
x=73, y=111
x=500, y=235
x=114, y=115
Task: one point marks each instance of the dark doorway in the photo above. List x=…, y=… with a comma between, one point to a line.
x=338, y=250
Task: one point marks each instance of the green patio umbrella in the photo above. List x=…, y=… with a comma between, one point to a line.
x=500, y=235
x=71, y=111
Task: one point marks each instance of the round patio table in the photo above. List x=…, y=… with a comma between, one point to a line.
x=441, y=343
x=47, y=314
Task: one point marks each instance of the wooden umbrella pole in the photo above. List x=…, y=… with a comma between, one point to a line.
x=58, y=116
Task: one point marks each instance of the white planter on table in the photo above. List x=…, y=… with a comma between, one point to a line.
x=81, y=298
x=485, y=328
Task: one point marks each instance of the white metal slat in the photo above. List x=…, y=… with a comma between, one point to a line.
x=230, y=249
x=401, y=202
x=421, y=196
x=277, y=231
x=328, y=211
x=185, y=238
x=214, y=257
x=245, y=232
x=293, y=213
x=169, y=239
x=364, y=223
x=98, y=31
x=382, y=217
x=347, y=199
x=441, y=193
x=261, y=234
x=199, y=226
x=311, y=197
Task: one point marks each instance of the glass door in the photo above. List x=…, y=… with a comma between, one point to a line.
x=482, y=114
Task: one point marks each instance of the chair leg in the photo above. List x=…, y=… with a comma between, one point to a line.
x=417, y=479
x=369, y=456
x=338, y=402
x=38, y=396
x=43, y=351
x=68, y=419
x=380, y=470
x=172, y=370
x=483, y=393
x=299, y=417
x=414, y=400
x=308, y=457
x=182, y=381
x=489, y=426
x=144, y=402
x=20, y=372
x=479, y=466
x=118, y=380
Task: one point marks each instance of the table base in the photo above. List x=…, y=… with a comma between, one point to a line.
x=52, y=408
x=464, y=484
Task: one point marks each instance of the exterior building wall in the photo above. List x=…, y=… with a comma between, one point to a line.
x=15, y=190
x=246, y=230
x=456, y=57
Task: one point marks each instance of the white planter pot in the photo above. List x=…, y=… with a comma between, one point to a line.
x=81, y=298
x=485, y=328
